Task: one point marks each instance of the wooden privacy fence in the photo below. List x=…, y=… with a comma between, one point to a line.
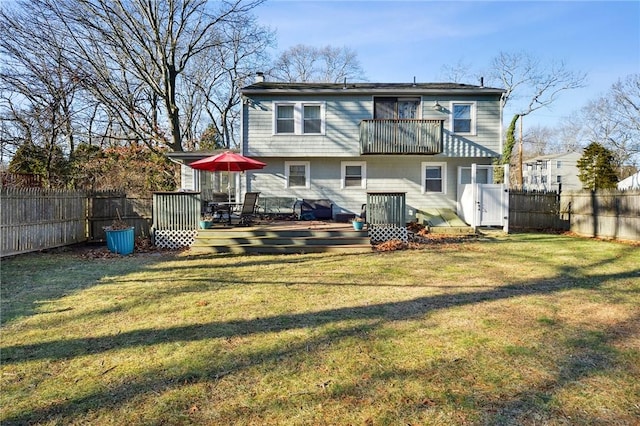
x=35, y=219
x=536, y=210
x=607, y=214
x=106, y=206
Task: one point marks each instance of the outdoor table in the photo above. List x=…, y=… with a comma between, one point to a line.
x=224, y=206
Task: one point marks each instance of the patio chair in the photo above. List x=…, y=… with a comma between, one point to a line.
x=248, y=212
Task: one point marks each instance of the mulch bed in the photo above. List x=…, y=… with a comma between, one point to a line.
x=419, y=238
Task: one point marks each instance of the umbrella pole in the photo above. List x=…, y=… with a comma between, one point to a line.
x=229, y=180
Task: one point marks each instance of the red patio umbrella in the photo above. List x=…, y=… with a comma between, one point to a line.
x=229, y=161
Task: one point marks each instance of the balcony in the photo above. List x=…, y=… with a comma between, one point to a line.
x=401, y=136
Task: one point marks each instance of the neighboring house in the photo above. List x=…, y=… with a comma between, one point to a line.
x=632, y=182
x=340, y=141
x=555, y=172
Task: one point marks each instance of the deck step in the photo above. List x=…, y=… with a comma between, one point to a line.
x=279, y=249
x=279, y=241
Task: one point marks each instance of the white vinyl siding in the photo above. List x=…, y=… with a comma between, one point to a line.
x=341, y=127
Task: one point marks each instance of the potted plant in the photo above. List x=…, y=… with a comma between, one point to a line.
x=206, y=221
x=120, y=236
x=358, y=223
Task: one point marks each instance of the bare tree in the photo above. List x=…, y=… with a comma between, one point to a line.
x=538, y=140
x=218, y=88
x=613, y=120
x=136, y=52
x=39, y=91
x=460, y=72
x=534, y=85
x=308, y=64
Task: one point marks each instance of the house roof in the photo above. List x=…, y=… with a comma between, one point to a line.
x=632, y=182
x=368, y=88
x=574, y=155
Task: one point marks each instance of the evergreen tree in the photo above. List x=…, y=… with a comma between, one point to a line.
x=597, y=169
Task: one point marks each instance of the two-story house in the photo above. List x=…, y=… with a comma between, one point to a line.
x=340, y=141
x=555, y=172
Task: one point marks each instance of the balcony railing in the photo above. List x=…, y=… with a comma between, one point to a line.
x=402, y=136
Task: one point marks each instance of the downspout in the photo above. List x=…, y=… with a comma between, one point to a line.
x=240, y=182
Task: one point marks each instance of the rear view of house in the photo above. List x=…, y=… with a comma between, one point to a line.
x=341, y=141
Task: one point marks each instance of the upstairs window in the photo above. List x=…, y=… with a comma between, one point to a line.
x=463, y=117
x=299, y=118
x=312, y=119
x=284, y=119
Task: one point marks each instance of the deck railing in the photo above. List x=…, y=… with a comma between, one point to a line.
x=176, y=210
x=386, y=216
x=401, y=136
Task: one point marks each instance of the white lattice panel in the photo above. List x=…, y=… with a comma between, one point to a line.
x=382, y=233
x=173, y=239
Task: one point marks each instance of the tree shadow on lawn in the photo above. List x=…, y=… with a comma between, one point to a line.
x=32, y=280
x=378, y=314
x=23, y=291
x=592, y=354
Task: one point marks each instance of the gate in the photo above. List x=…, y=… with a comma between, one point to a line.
x=483, y=204
x=491, y=204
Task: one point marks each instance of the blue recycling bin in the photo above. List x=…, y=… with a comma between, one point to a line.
x=120, y=241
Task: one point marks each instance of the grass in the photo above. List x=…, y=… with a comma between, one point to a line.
x=519, y=329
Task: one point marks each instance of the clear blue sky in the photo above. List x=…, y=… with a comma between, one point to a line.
x=397, y=40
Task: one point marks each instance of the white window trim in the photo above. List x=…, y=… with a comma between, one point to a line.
x=298, y=117
x=307, y=173
x=473, y=117
x=343, y=174
x=423, y=188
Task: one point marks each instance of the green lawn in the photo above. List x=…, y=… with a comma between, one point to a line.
x=523, y=329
